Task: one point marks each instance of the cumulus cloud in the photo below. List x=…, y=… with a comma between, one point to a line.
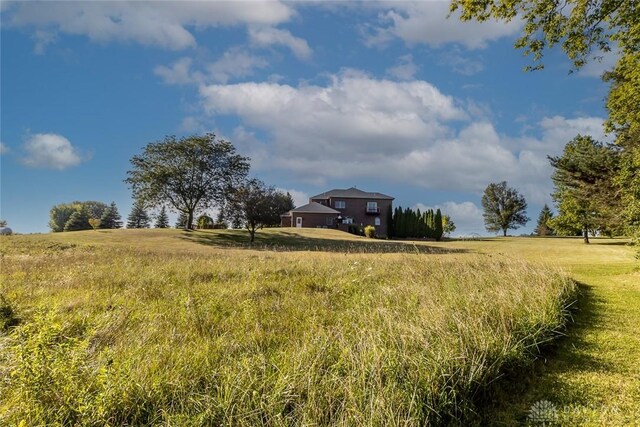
x=235, y=62
x=405, y=69
x=50, y=151
x=163, y=24
x=300, y=198
x=178, y=73
x=426, y=22
x=467, y=216
x=269, y=36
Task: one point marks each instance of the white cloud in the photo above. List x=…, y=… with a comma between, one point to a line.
x=3, y=148
x=178, y=73
x=426, y=22
x=461, y=63
x=163, y=24
x=268, y=36
x=43, y=39
x=405, y=69
x=466, y=216
x=235, y=62
x=605, y=61
x=50, y=151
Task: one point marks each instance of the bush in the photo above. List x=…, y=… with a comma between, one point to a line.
x=354, y=229
x=370, y=231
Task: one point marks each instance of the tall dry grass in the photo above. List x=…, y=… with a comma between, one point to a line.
x=129, y=336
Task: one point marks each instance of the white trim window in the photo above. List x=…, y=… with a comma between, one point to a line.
x=376, y=221
x=339, y=204
x=329, y=221
x=347, y=220
x=372, y=206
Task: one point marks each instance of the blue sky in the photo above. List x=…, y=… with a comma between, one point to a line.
x=390, y=97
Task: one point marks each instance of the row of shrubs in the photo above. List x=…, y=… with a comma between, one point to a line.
x=368, y=231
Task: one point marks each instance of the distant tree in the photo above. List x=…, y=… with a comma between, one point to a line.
x=259, y=206
x=448, y=226
x=3, y=223
x=138, y=218
x=585, y=190
x=543, y=228
x=162, y=221
x=504, y=208
x=60, y=214
x=438, y=227
x=79, y=220
x=190, y=173
x=111, y=218
x=181, y=222
x=94, y=223
x=205, y=221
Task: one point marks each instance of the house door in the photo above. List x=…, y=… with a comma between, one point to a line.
x=299, y=221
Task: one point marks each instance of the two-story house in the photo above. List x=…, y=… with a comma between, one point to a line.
x=340, y=208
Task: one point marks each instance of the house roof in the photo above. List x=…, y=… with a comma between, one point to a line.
x=351, y=193
x=315, y=207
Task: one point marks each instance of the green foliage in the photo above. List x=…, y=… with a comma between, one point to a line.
x=370, y=231
x=543, y=227
x=189, y=174
x=8, y=316
x=504, y=208
x=138, y=218
x=585, y=190
x=259, y=206
x=79, y=220
x=448, y=226
x=416, y=224
x=205, y=222
x=438, y=228
x=162, y=220
x=182, y=220
x=111, y=219
x=3, y=223
x=94, y=223
x=60, y=214
x=391, y=230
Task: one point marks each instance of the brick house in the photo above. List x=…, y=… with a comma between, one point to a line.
x=340, y=208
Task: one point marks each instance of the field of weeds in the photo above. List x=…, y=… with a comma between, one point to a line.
x=188, y=329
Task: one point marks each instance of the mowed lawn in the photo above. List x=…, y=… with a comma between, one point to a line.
x=313, y=327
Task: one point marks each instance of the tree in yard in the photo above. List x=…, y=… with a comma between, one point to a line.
x=585, y=29
x=79, y=220
x=448, y=226
x=111, y=218
x=138, y=218
x=188, y=174
x=60, y=214
x=544, y=228
x=504, y=208
x=205, y=221
x=3, y=223
x=181, y=222
x=259, y=206
x=585, y=192
x=162, y=221
x=94, y=223
x=390, y=223
x=438, y=227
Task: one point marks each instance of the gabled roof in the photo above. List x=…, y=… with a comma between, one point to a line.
x=315, y=207
x=351, y=193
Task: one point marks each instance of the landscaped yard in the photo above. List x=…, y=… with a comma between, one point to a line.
x=312, y=327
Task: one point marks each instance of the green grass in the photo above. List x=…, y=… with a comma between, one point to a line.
x=309, y=327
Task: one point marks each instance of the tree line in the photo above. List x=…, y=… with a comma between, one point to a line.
x=406, y=222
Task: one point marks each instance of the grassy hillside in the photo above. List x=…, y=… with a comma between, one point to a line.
x=308, y=327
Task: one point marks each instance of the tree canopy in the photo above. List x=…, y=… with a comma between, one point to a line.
x=504, y=208
x=259, y=205
x=543, y=227
x=111, y=217
x=61, y=213
x=162, y=220
x=585, y=192
x=188, y=174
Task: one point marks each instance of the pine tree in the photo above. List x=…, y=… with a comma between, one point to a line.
x=182, y=220
x=138, y=218
x=111, y=217
x=79, y=220
x=543, y=228
x=438, y=228
x=162, y=221
x=390, y=223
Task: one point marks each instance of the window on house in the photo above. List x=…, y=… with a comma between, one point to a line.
x=339, y=204
x=376, y=221
x=372, y=206
x=329, y=220
x=347, y=220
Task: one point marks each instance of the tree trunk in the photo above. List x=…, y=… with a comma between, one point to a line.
x=189, y=224
x=585, y=235
x=504, y=232
x=252, y=234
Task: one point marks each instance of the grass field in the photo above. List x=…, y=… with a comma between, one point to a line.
x=311, y=327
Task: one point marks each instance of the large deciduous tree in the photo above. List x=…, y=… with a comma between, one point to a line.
x=504, y=208
x=259, y=205
x=188, y=174
x=585, y=192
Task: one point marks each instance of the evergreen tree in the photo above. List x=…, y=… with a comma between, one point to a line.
x=138, y=218
x=79, y=220
x=182, y=220
x=111, y=217
x=390, y=223
x=438, y=229
x=543, y=228
x=162, y=221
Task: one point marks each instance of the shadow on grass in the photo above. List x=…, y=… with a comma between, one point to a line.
x=508, y=401
x=287, y=242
